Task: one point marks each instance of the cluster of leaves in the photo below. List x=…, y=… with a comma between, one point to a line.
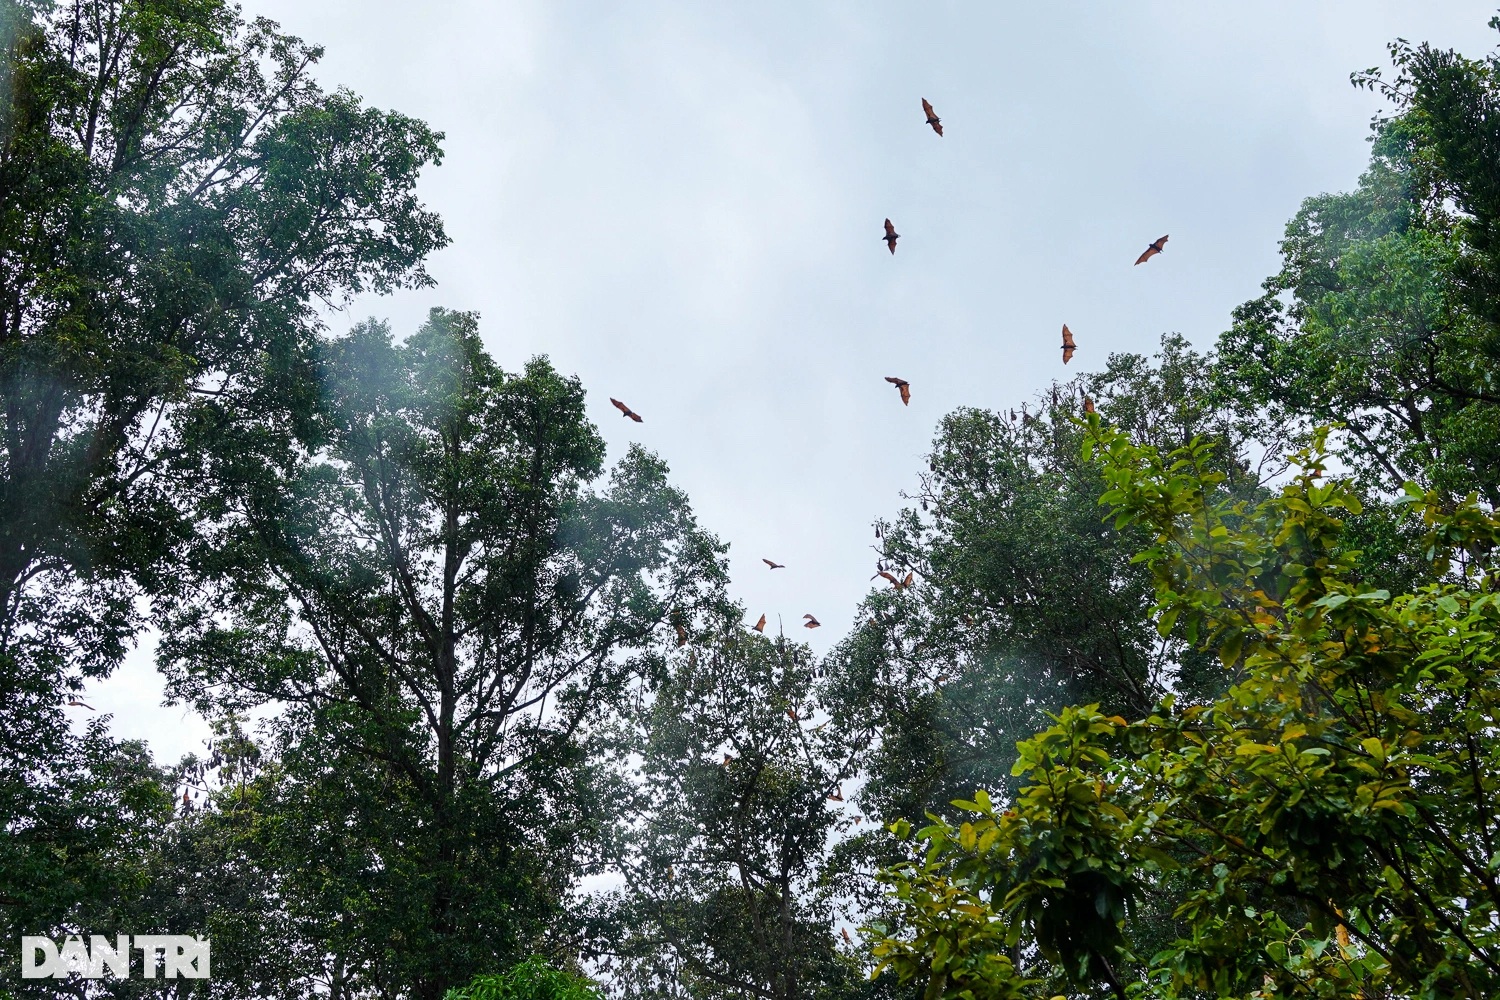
x=1023, y=601
x=1325, y=828
x=729, y=887
x=533, y=979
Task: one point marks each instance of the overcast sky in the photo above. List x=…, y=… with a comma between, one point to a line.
x=681, y=203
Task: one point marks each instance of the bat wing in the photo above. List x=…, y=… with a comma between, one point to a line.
x=893, y=380
x=634, y=416
x=620, y=406
x=1068, y=337
x=760, y=626
x=890, y=230
x=907, y=582
x=905, y=394
x=1067, y=354
x=1160, y=244
x=1149, y=252
x=891, y=577
x=927, y=108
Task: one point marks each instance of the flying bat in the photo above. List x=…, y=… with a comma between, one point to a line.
x=811, y=622
x=774, y=565
x=760, y=626
x=1152, y=250
x=902, y=386
x=78, y=704
x=625, y=410
x=1068, y=347
x=891, y=577
x=891, y=236
x=844, y=930
x=837, y=795
x=932, y=118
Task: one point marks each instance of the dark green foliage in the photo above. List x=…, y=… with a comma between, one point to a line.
x=1384, y=316
x=723, y=840
x=1024, y=598
x=449, y=610
x=1326, y=826
x=176, y=196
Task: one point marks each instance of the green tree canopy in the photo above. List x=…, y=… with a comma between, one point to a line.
x=448, y=609
x=726, y=839
x=1325, y=828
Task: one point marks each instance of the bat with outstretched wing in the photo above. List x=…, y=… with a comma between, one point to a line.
x=1068, y=346
x=774, y=565
x=811, y=622
x=760, y=626
x=891, y=236
x=1152, y=250
x=903, y=387
x=625, y=411
x=79, y=704
x=932, y=118
x=891, y=577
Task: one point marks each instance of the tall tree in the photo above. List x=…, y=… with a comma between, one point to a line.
x=176, y=196
x=1383, y=316
x=1023, y=598
x=1326, y=828
x=428, y=581
x=726, y=840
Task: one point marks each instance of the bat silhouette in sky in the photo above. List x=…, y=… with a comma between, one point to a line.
x=1152, y=250
x=625, y=410
x=903, y=387
x=774, y=565
x=1068, y=347
x=760, y=626
x=932, y=118
x=811, y=622
x=891, y=236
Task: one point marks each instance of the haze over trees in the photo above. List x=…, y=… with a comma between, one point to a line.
x=1160, y=713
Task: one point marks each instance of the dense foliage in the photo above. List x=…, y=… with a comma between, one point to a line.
x=1235, y=739
x=1325, y=828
